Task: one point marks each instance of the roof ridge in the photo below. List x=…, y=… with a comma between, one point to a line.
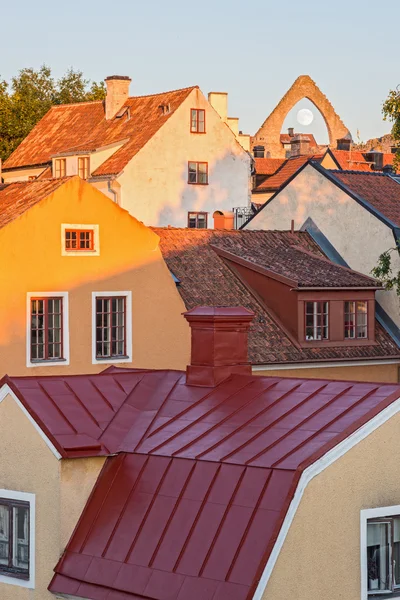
x=85, y=102
x=355, y=172
x=184, y=89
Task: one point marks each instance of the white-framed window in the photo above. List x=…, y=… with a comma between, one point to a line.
x=111, y=327
x=60, y=167
x=316, y=321
x=79, y=239
x=47, y=329
x=17, y=538
x=380, y=551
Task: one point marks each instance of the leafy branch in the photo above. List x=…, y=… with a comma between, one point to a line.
x=383, y=271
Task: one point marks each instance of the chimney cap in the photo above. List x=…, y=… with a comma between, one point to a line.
x=219, y=313
x=123, y=77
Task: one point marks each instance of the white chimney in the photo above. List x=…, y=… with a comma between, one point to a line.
x=117, y=94
x=219, y=101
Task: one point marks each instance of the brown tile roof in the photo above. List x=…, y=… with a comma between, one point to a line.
x=83, y=127
x=380, y=190
x=288, y=168
x=286, y=139
x=16, y=198
x=268, y=166
x=351, y=160
x=206, y=279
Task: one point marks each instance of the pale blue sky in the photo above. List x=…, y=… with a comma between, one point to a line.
x=253, y=50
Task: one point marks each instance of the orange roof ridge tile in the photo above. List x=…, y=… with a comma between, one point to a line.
x=184, y=89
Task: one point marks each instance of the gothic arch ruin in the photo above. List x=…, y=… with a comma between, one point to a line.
x=304, y=87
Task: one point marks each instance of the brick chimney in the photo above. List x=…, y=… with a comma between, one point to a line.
x=223, y=219
x=117, y=93
x=291, y=132
x=299, y=145
x=219, y=344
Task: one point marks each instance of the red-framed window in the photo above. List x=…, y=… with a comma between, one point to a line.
x=316, y=321
x=356, y=319
x=79, y=239
x=197, y=120
x=198, y=173
x=83, y=167
x=60, y=167
x=197, y=220
x=14, y=538
x=110, y=326
x=46, y=328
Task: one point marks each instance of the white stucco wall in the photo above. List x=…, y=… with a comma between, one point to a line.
x=357, y=235
x=154, y=186
x=21, y=174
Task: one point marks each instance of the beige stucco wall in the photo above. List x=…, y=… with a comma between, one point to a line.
x=61, y=489
x=328, y=163
x=154, y=184
x=320, y=559
x=259, y=198
x=21, y=174
x=380, y=373
x=358, y=236
x=129, y=260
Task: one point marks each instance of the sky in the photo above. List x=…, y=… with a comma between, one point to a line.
x=252, y=50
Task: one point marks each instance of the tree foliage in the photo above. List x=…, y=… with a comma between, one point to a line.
x=384, y=273
x=391, y=112
x=30, y=95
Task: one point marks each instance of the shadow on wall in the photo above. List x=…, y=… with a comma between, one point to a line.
x=160, y=335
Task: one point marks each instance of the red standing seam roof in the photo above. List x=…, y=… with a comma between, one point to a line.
x=192, y=504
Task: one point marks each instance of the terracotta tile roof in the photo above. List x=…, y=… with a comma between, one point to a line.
x=380, y=190
x=288, y=168
x=268, y=166
x=18, y=197
x=83, y=126
x=192, y=505
x=286, y=139
x=206, y=279
x=351, y=160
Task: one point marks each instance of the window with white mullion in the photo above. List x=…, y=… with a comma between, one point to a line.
x=316, y=321
x=383, y=555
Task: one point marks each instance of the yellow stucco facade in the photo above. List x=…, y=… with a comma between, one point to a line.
x=129, y=260
x=60, y=488
x=384, y=373
x=321, y=556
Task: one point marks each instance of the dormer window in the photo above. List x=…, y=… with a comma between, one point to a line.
x=356, y=320
x=197, y=120
x=317, y=321
x=60, y=167
x=83, y=167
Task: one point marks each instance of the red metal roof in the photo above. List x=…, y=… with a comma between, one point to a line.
x=193, y=503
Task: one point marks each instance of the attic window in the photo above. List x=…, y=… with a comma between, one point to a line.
x=82, y=239
x=317, y=316
x=60, y=167
x=356, y=320
x=125, y=110
x=165, y=109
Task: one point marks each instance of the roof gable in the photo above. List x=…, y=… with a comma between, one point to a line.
x=83, y=127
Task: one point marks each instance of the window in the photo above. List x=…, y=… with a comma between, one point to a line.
x=259, y=151
x=81, y=239
x=46, y=328
x=83, y=167
x=14, y=538
x=356, y=319
x=110, y=327
x=197, y=220
x=383, y=555
x=317, y=320
x=60, y=166
x=198, y=173
x=197, y=120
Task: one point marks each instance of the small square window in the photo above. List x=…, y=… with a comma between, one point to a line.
x=197, y=220
x=14, y=538
x=198, y=173
x=60, y=167
x=197, y=120
x=79, y=240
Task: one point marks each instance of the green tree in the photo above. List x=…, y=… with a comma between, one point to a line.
x=391, y=112
x=383, y=271
x=31, y=94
